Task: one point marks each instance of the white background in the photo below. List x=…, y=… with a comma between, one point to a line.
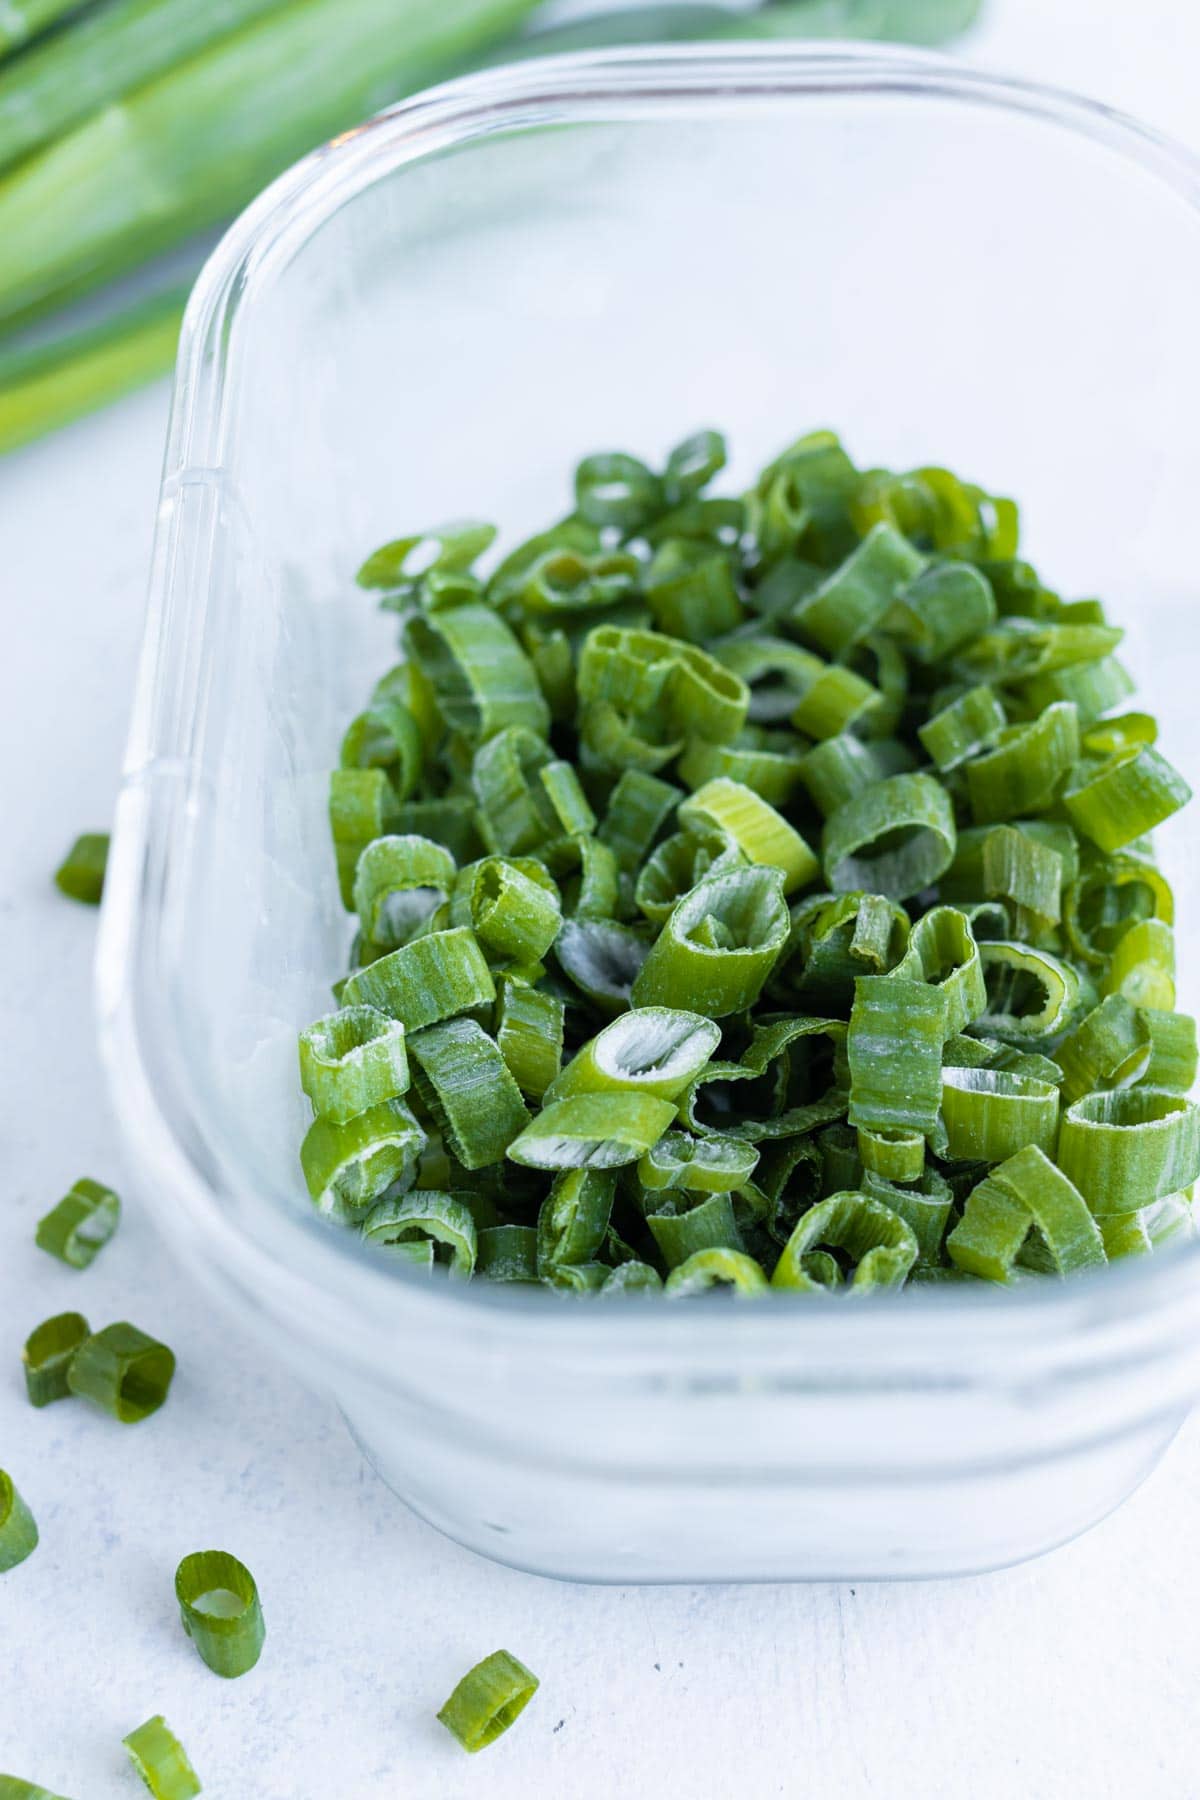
x=1071, y=1677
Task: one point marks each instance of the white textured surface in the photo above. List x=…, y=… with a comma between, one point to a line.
x=1069, y=1677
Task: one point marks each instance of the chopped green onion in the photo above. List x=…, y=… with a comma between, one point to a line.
x=442, y=1221
x=963, y=728
x=528, y=1028
x=347, y=1166
x=697, y=1164
x=651, y=1050
x=718, y=946
x=1025, y=1193
x=80, y=875
x=1128, y=1146
x=161, y=1761
x=895, y=838
x=758, y=831
x=398, y=883
x=990, y=1114
x=507, y=1253
x=592, y=1131
x=894, y=1048
x=716, y=1267
x=18, y=1530
x=47, y=1356
x=220, y=1610
x=465, y=1083
x=1025, y=770
x=123, y=1371
x=1125, y=797
x=424, y=982
x=706, y=1224
x=1109, y=1048
x=13, y=1788
x=77, y=1229
x=1143, y=965
x=352, y=1060
x=877, y=1241
x=488, y=1699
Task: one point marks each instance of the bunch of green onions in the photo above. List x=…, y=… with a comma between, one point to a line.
x=129, y=126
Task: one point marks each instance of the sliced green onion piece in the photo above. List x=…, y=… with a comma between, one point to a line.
x=894, y=1155
x=1018, y=869
x=488, y=1699
x=1143, y=965
x=80, y=875
x=942, y=951
x=836, y=941
x=1031, y=995
x=47, y=1356
x=482, y=679
x=791, y=1079
x=529, y=1034
x=1129, y=1146
x=465, y=1083
x=718, y=946
x=690, y=589
x=13, y=1788
x=1125, y=797
x=406, y=561
x=767, y=761
x=1110, y=736
x=835, y=771
x=836, y=699
x=717, y=1267
x=681, y=1229
x=573, y=1220
x=704, y=1165
x=894, y=838
x=1025, y=1192
x=1109, y=1048
x=220, y=1610
x=161, y=1761
x=125, y=1372
x=964, y=728
x=1023, y=773
x=596, y=1131
x=347, y=1166
x=761, y=834
x=386, y=736
x=946, y=606
x=398, y=883
x=514, y=808
x=362, y=807
x=990, y=1114
x=653, y=1050
x=507, y=1253
x=894, y=1047
x=857, y=597
x=352, y=1060
x=425, y=1216
x=925, y=1209
x=638, y=808
x=512, y=915
x=632, y=1278
x=1109, y=895
x=881, y=1246
x=675, y=868
x=77, y=1229
x=426, y=981
x=18, y=1530
x=1173, y=1050
x=603, y=960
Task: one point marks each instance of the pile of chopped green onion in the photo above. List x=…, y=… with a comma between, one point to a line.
x=751, y=891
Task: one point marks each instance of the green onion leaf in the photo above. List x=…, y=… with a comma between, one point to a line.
x=488, y=1699
x=77, y=1229
x=47, y=1356
x=220, y=1610
x=122, y=1370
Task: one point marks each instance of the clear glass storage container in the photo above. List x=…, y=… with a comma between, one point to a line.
x=437, y=314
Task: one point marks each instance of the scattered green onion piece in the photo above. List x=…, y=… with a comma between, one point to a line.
x=632, y=1278
x=507, y=1253
x=894, y=838
x=881, y=1246
x=567, y=799
x=791, y=1079
x=347, y=1166
x=18, y=1529
x=80, y=875
x=894, y=1155
x=925, y=1210
x=718, y=946
x=1125, y=797
x=1107, y=896
x=423, y=1216
x=452, y=820
x=488, y=1699
x=161, y=1761
x=77, y=1229
x=612, y=489
x=963, y=728
x=386, y=736
x=574, y=1216
x=942, y=951
x=512, y=915
x=482, y=679
x=675, y=868
x=946, y=606
x=47, y=1356
x=1031, y=995
x=123, y=1371
x=856, y=598
x=836, y=700
x=398, y=883
x=836, y=941
x=690, y=589
x=703, y=1165
x=1173, y=1050
x=220, y=1610
x=835, y=771
x=894, y=1048
x=652, y=1050
x=515, y=812
x=1023, y=773
x=1143, y=965
x=716, y=1267
x=465, y=1084
x=450, y=549
x=1110, y=1048
x=353, y=1060
x=761, y=834
x=362, y=807
x=638, y=808
x=1110, y=736
x=1025, y=1192
x=681, y=1230
x=603, y=959
x=1018, y=869
x=1129, y=1146
x=990, y=1114
x=426, y=981
x=1093, y=688
x=529, y=1035
x=13, y=1788
x=594, y=1131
